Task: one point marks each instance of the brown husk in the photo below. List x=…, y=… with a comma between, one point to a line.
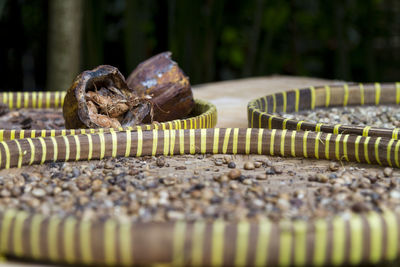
x=100, y=98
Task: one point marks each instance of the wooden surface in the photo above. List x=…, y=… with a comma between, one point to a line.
x=231, y=98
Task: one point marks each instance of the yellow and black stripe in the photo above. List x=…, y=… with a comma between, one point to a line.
x=204, y=115
x=368, y=238
x=33, y=99
x=262, y=111
x=354, y=240
x=26, y=151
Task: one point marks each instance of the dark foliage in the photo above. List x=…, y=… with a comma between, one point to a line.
x=214, y=39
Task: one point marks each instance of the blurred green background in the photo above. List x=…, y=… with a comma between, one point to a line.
x=45, y=44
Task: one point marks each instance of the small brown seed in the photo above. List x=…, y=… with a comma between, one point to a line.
x=322, y=178
x=234, y=185
x=5, y=193
x=268, y=163
x=364, y=185
x=231, y=165
x=33, y=202
x=299, y=193
x=248, y=165
x=234, y=174
x=160, y=162
x=247, y=182
x=16, y=191
x=116, y=172
x=379, y=190
x=9, y=185
x=57, y=190
x=38, y=192
x=312, y=179
x=175, y=215
x=226, y=159
x=221, y=178
x=359, y=207
x=388, y=172
x=180, y=168
x=262, y=176
x=96, y=185
x=347, y=178
x=278, y=170
x=218, y=162
x=334, y=166
x=169, y=181
x=109, y=165
x=283, y=204
x=270, y=171
x=372, y=179
x=207, y=194
x=380, y=175
x=196, y=194
x=83, y=200
x=257, y=164
x=83, y=182
x=133, y=172
x=365, y=180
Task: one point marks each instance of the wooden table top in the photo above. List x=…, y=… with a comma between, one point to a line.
x=231, y=98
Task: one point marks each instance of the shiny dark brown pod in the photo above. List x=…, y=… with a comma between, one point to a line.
x=169, y=88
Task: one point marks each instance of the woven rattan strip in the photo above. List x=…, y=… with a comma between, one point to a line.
x=368, y=238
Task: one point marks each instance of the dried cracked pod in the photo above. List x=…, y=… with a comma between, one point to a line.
x=100, y=98
x=169, y=88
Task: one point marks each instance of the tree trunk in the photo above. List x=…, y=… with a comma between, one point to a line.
x=64, y=43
